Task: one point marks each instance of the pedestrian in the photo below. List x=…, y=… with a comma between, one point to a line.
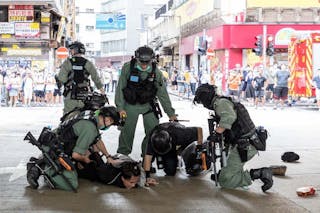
x=316, y=80
x=107, y=79
x=72, y=139
x=181, y=85
x=243, y=86
x=74, y=74
x=115, y=78
x=166, y=141
x=270, y=75
x=28, y=88
x=13, y=87
x=193, y=82
x=234, y=82
x=238, y=131
x=139, y=85
x=250, y=95
x=259, y=84
x=281, y=89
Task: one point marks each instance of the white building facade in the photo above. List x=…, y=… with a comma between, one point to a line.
x=86, y=31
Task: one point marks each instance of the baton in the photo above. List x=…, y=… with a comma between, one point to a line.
x=178, y=120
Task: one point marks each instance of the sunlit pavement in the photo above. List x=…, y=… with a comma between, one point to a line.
x=291, y=129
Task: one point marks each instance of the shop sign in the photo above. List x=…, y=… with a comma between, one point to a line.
x=6, y=28
x=111, y=21
x=27, y=30
x=5, y=36
x=45, y=17
x=24, y=52
x=20, y=13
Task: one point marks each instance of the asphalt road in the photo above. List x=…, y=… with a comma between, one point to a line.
x=291, y=129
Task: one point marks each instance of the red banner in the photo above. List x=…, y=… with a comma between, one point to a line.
x=21, y=13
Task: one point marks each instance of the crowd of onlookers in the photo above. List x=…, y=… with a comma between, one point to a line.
x=252, y=85
x=27, y=88
x=109, y=76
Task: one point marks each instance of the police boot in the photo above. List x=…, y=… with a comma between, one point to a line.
x=265, y=175
x=33, y=173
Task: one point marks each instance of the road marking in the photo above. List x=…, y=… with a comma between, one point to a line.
x=17, y=172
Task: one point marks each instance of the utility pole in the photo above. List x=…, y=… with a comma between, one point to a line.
x=264, y=46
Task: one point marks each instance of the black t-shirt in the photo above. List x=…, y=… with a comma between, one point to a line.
x=260, y=80
x=181, y=135
x=110, y=175
x=105, y=173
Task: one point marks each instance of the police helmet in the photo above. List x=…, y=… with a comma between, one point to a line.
x=193, y=166
x=161, y=142
x=144, y=54
x=204, y=95
x=110, y=111
x=78, y=47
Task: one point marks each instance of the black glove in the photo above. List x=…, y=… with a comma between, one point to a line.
x=215, y=137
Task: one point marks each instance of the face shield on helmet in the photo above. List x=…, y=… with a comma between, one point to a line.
x=144, y=55
x=193, y=165
x=161, y=142
x=77, y=47
x=204, y=95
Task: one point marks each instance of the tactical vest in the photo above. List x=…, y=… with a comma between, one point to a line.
x=138, y=90
x=78, y=79
x=65, y=132
x=243, y=125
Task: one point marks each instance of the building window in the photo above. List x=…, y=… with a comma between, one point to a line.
x=90, y=45
x=113, y=46
x=89, y=10
x=3, y=14
x=77, y=28
x=89, y=28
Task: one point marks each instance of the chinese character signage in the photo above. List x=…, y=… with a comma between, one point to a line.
x=21, y=13
x=6, y=28
x=27, y=30
x=111, y=21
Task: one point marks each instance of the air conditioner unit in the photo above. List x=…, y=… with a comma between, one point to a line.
x=251, y=18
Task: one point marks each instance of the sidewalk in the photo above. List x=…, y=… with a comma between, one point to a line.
x=307, y=104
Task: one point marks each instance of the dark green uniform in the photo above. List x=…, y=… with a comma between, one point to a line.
x=134, y=110
x=66, y=68
x=232, y=175
x=86, y=132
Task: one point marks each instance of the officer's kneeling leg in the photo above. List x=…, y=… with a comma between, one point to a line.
x=60, y=183
x=170, y=163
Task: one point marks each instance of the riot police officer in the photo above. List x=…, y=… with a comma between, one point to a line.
x=140, y=83
x=74, y=74
x=238, y=131
x=72, y=139
x=167, y=140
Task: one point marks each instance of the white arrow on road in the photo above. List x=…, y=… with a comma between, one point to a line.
x=17, y=171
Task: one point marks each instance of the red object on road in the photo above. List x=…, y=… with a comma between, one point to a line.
x=305, y=191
